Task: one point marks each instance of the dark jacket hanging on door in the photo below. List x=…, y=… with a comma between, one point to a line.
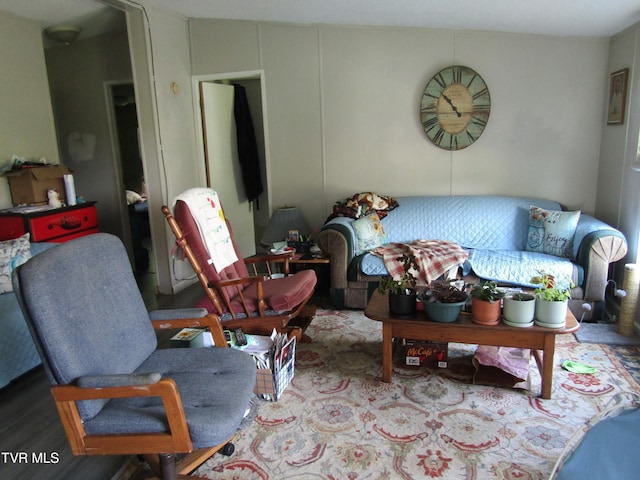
x=247, y=147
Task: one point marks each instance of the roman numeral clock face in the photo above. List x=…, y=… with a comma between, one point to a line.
x=455, y=108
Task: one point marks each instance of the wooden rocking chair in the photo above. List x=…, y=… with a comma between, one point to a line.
x=256, y=303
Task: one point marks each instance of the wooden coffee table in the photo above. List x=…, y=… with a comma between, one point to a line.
x=541, y=341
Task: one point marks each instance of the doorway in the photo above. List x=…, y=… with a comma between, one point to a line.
x=212, y=146
x=125, y=135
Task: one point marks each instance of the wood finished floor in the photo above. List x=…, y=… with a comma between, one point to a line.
x=29, y=422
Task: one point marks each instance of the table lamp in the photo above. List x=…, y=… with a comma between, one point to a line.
x=281, y=222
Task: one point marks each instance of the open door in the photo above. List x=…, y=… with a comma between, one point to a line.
x=222, y=164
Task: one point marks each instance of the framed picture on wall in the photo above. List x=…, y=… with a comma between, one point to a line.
x=617, y=97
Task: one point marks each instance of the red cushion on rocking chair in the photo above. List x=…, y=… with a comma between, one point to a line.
x=280, y=294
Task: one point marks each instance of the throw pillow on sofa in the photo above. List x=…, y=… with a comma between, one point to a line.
x=12, y=253
x=369, y=232
x=552, y=231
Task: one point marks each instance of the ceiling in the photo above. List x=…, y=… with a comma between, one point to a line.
x=590, y=18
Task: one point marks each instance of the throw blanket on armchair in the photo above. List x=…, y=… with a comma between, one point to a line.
x=207, y=212
x=434, y=257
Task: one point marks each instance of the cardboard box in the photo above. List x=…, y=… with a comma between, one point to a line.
x=30, y=185
x=420, y=353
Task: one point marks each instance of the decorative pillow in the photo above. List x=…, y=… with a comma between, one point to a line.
x=369, y=232
x=12, y=253
x=552, y=231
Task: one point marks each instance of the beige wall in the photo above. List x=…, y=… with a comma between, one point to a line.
x=26, y=118
x=342, y=110
x=159, y=44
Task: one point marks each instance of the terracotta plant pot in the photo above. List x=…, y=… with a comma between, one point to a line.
x=485, y=313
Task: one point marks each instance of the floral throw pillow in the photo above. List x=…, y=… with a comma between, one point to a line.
x=12, y=253
x=369, y=232
x=552, y=231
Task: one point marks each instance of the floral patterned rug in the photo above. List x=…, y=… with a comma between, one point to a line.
x=337, y=420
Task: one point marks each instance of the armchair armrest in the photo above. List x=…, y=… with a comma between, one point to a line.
x=596, y=245
x=118, y=380
x=337, y=240
x=177, y=440
x=210, y=321
x=175, y=313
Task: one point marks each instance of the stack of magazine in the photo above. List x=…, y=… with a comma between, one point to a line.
x=275, y=360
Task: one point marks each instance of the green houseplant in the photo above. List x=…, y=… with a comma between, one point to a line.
x=401, y=288
x=443, y=301
x=485, y=303
x=552, y=299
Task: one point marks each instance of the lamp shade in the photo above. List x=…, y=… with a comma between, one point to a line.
x=282, y=221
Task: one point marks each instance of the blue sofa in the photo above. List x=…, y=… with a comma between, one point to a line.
x=493, y=229
x=17, y=350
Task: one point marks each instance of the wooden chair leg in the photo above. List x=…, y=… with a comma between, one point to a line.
x=302, y=321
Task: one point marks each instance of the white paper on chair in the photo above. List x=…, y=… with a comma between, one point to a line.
x=206, y=211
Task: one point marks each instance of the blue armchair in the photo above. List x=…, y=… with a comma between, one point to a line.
x=115, y=391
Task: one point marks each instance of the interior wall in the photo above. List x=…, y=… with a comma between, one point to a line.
x=159, y=44
x=343, y=110
x=26, y=116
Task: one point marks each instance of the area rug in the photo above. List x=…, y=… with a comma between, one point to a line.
x=604, y=333
x=337, y=420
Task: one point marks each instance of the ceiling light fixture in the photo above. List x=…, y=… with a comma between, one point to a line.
x=63, y=33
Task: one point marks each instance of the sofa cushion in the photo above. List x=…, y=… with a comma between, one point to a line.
x=12, y=253
x=551, y=231
x=503, y=266
x=486, y=222
x=369, y=233
x=519, y=268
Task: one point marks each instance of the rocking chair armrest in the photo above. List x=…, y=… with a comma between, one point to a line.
x=274, y=258
x=66, y=396
x=236, y=281
x=279, y=258
x=210, y=321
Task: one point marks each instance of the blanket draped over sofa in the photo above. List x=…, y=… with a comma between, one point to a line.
x=494, y=230
x=434, y=258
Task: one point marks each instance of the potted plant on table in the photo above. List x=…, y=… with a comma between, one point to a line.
x=485, y=303
x=443, y=301
x=552, y=300
x=401, y=288
x=518, y=309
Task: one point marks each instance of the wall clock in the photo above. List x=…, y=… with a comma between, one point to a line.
x=455, y=107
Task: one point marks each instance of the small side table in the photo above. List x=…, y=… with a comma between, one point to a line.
x=319, y=263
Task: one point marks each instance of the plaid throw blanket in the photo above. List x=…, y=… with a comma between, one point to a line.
x=434, y=257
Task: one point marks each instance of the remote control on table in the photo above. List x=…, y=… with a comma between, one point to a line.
x=241, y=339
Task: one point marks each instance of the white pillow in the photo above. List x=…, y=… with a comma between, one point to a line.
x=369, y=233
x=552, y=231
